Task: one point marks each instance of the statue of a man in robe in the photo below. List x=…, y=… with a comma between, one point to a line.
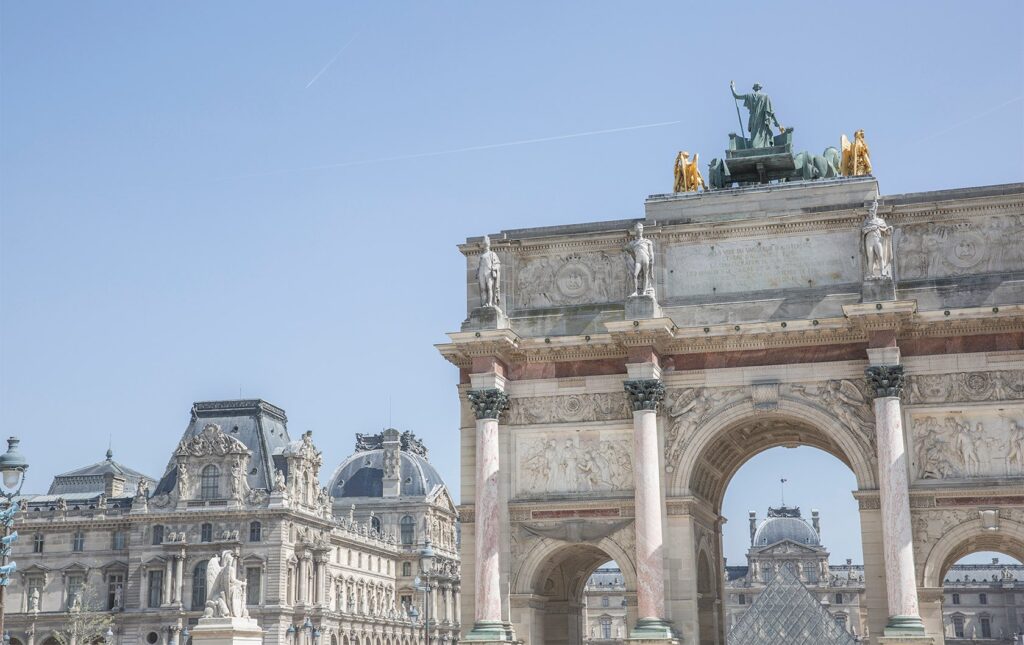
x=762, y=116
x=488, y=274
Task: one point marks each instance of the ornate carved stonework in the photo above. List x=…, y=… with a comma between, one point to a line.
x=963, y=387
x=489, y=403
x=211, y=442
x=570, y=408
x=686, y=409
x=937, y=249
x=575, y=278
x=976, y=443
x=576, y=464
x=645, y=394
x=885, y=380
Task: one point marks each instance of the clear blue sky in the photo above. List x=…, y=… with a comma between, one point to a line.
x=193, y=203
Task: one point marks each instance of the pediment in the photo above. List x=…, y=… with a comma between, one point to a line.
x=788, y=547
x=441, y=497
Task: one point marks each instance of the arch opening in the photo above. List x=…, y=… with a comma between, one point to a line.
x=979, y=596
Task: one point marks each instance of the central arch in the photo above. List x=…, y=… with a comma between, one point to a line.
x=548, y=591
x=696, y=484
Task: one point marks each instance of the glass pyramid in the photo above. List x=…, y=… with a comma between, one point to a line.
x=786, y=612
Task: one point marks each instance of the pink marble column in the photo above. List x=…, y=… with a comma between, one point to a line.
x=904, y=615
x=488, y=405
x=645, y=394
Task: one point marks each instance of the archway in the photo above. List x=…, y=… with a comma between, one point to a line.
x=980, y=594
x=549, y=592
x=716, y=449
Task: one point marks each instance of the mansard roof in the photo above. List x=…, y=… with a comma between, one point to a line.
x=262, y=427
x=91, y=479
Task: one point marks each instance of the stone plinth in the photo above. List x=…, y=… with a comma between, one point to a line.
x=878, y=290
x=906, y=640
x=645, y=306
x=227, y=631
x=485, y=318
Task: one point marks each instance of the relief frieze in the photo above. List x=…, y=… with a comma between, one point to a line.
x=571, y=279
x=574, y=464
x=959, y=446
x=966, y=387
x=937, y=249
x=569, y=408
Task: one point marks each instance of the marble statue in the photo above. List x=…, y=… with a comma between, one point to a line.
x=641, y=253
x=1015, y=455
x=118, y=597
x=687, y=174
x=237, y=482
x=762, y=116
x=877, y=236
x=183, y=480
x=488, y=275
x=33, y=599
x=856, y=156
x=226, y=591
x=280, y=485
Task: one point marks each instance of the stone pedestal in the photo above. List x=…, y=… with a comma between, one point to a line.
x=645, y=306
x=878, y=290
x=906, y=640
x=227, y=631
x=485, y=318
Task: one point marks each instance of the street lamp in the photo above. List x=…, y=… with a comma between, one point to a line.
x=426, y=568
x=12, y=476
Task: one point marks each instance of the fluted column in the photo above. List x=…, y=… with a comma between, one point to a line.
x=179, y=577
x=645, y=395
x=488, y=404
x=886, y=382
x=168, y=579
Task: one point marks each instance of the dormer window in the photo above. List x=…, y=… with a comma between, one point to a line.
x=210, y=482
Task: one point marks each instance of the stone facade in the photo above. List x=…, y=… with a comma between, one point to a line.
x=133, y=557
x=765, y=328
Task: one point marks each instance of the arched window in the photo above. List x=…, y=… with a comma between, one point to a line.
x=199, y=586
x=210, y=482
x=78, y=542
x=406, y=569
x=206, y=532
x=255, y=531
x=158, y=534
x=408, y=526
x=375, y=524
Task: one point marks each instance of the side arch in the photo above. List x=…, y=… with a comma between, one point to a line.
x=970, y=537
x=737, y=432
x=550, y=552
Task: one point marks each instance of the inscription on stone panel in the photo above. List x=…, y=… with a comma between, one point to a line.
x=958, y=444
x=588, y=461
x=729, y=266
x=937, y=249
x=570, y=279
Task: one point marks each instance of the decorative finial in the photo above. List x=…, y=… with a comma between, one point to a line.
x=110, y=454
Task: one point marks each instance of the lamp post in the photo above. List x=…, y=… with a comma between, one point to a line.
x=426, y=568
x=12, y=476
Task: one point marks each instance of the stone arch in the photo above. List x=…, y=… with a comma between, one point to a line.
x=735, y=433
x=550, y=583
x=971, y=537
x=707, y=590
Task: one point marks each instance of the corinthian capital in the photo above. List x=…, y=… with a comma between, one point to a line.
x=645, y=393
x=489, y=403
x=885, y=380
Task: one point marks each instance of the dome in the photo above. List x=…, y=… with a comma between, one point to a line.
x=777, y=529
x=362, y=475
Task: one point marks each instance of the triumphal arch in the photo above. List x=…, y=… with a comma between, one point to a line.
x=616, y=374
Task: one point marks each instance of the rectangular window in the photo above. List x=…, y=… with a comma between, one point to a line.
x=255, y=532
x=206, y=533
x=38, y=542
x=986, y=627
x=75, y=584
x=956, y=599
x=743, y=599
x=155, y=589
x=253, y=577
x=117, y=541
x=78, y=542
x=958, y=626
x=115, y=591
x=158, y=535
x=839, y=598
x=983, y=598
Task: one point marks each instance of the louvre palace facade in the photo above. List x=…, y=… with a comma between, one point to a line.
x=108, y=546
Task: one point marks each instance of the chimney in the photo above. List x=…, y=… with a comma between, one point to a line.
x=392, y=463
x=753, y=525
x=113, y=485
x=995, y=560
x=816, y=522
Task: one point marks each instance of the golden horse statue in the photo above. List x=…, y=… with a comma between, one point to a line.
x=687, y=174
x=856, y=156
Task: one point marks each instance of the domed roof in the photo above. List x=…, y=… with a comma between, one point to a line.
x=362, y=475
x=785, y=524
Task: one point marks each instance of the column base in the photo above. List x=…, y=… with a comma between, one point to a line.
x=652, y=631
x=904, y=626
x=491, y=631
x=906, y=640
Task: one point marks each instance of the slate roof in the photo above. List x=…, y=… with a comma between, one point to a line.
x=261, y=426
x=362, y=475
x=90, y=479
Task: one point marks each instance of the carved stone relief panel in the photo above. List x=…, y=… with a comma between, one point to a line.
x=570, y=279
x=570, y=408
x=938, y=249
x=1000, y=385
x=959, y=444
x=577, y=462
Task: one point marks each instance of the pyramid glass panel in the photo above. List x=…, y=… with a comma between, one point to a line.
x=786, y=612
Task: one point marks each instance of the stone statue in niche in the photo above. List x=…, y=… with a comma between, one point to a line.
x=280, y=486
x=641, y=254
x=1015, y=456
x=183, y=481
x=877, y=236
x=33, y=599
x=488, y=275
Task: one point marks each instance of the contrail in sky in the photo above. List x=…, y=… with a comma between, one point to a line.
x=331, y=62
x=969, y=119
x=438, y=153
